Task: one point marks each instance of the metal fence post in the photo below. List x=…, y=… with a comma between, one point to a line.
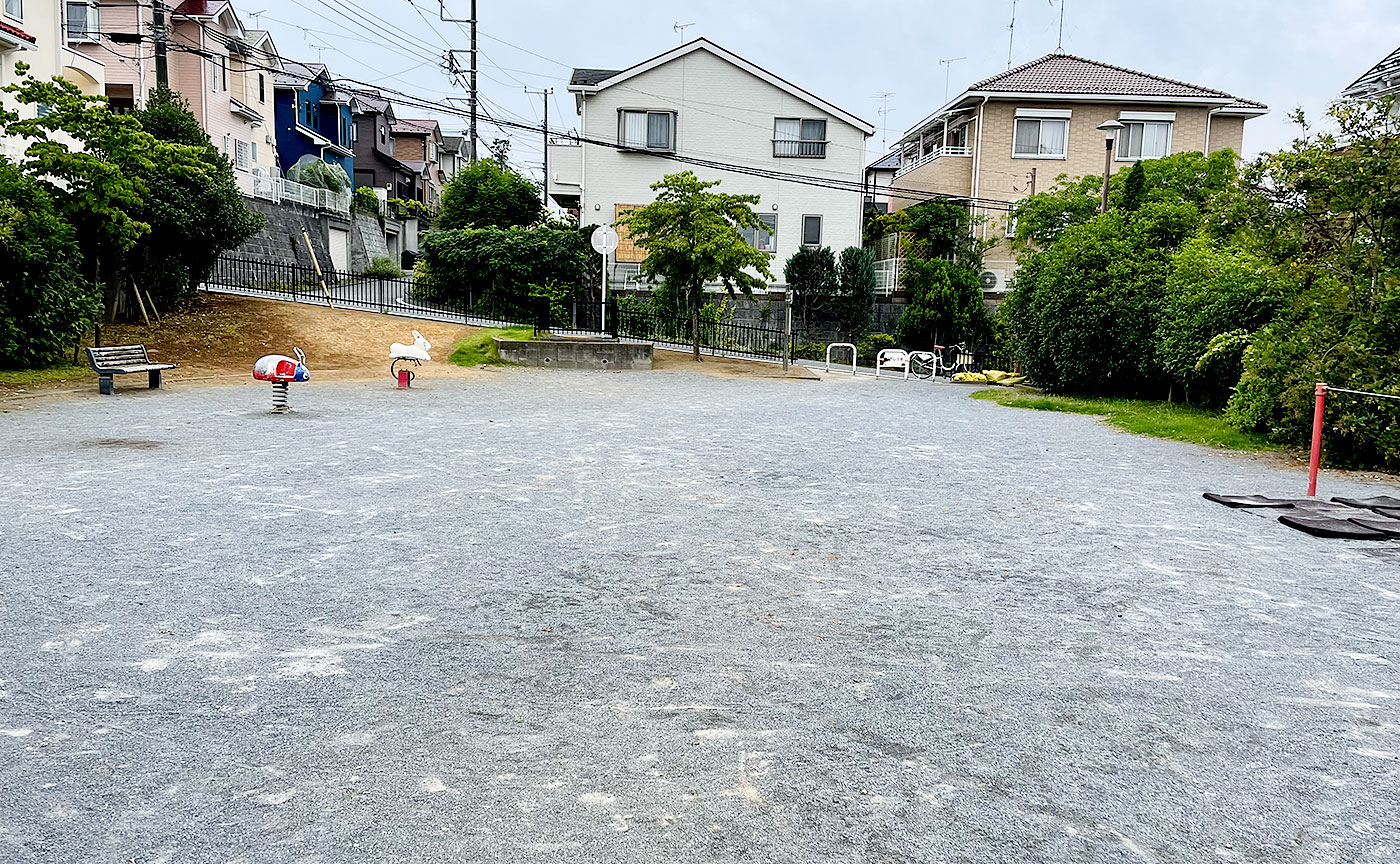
x=787, y=331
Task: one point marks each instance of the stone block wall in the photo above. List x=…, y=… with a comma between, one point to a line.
x=366, y=241
x=280, y=241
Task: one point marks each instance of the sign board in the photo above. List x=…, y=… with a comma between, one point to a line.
x=605, y=240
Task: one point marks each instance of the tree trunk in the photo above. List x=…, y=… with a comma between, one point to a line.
x=695, y=323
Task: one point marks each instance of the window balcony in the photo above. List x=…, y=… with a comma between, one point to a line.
x=799, y=149
x=937, y=153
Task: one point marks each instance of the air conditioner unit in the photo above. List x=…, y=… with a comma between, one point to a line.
x=270, y=139
x=994, y=281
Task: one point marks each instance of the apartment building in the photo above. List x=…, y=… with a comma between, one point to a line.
x=1014, y=133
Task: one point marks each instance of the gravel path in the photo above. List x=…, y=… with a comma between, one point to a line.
x=660, y=617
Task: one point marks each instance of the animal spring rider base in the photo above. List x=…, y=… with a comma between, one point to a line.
x=416, y=354
x=281, y=371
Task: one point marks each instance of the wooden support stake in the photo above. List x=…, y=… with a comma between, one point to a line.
x=152, y=301
x=141, y=304
x=306, y=235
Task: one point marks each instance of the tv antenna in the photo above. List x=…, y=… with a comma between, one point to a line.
x=1060, y=46
x=884, y=119
x=254, y=16
x=680, y=28
x=948, y=74
x=1011, y=40
x=320, y=50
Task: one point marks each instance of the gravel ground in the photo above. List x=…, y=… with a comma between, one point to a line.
x=581, y=617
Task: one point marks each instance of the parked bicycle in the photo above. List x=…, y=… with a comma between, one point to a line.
x=942, y=360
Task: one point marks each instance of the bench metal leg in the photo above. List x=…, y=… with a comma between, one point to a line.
x=104, y=385
x=155, y=378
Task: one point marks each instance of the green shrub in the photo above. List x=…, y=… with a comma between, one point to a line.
x=44, y=305
x=946, y=305
x=870, y=347
x=487, y=195
x=500, y=268
x=1323, y=338
x=855, y=271
x=1215, y=298
x=383, y=267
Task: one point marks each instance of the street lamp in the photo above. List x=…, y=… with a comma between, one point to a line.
x=1109, y=128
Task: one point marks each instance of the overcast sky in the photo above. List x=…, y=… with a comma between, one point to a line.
x=1286, y=53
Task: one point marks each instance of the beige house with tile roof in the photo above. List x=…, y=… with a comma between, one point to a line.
x=1014, y=133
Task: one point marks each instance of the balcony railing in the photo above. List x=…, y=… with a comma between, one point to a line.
x=799, y=149
x=279, y=189
x=936, y=153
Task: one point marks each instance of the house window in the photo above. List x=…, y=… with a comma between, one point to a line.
x=958, y=137
x=254, y=146
x=1145, y=140
x=262, y=88
x=646, y=130
x=762, y=238
x=241, y=159
x=218, y=73
x=800, y=138
x=1041, y=138
x=14, y=8
x=83, y=22
x=811, y=230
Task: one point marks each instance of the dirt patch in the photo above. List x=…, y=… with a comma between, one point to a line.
x=217, y=338
x=726, y=367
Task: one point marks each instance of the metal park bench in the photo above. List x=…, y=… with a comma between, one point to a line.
x=124, y=360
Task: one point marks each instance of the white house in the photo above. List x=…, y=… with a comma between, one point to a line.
x=701, y=103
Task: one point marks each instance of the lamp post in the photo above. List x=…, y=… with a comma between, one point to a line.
x=1109, y=128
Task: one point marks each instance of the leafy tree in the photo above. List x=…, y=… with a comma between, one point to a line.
x=692, y=236
x=45, y=306
x=855, y=270
x=811, y=278
x=489, y=195
x=500, y=268
x=1215, y=299
x=121, y=187
x=945, y=305
x=1134, y=187
x=195, y=215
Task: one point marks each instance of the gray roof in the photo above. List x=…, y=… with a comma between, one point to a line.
x=589, y=77
x=372, y=103
x=296, y=74
x=889, y=162
x=1382, y=79
x=1066, y=73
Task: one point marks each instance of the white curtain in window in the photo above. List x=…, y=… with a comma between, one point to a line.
x=1154, y=140
x=14, y=8
x=634, y=129
x=787, y=130
x=659, y=131
x=1028, y=137
x=1052, y=137
x=82, y=21
x=813, y=130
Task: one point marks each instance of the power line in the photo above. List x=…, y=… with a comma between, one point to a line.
x=853, y=186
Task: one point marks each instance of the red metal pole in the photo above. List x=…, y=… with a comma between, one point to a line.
x=1316, y=460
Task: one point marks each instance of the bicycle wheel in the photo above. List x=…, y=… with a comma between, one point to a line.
x=923, y=365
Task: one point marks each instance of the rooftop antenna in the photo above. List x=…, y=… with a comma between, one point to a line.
x=680, y=28
x=254, y=16
x=1061, y=45
x=1011, y=40
x=320, y=50
x=884, y=119
x=948, y=74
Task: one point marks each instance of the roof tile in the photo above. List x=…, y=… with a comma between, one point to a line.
x=1066, y=73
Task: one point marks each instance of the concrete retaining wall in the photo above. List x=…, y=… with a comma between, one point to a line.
x=280, y=241
x=598, y=354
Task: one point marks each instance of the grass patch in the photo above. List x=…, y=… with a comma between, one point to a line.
x=479, y=349
x=1155, y=419
x=20, y=378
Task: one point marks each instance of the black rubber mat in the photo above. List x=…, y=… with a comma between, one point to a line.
x=1246, y=500
x=1388, y=527
x=1323, y=526
x=1389, y=512
x=1370, y=503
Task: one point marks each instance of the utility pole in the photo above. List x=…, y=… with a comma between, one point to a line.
x=546, y=94
x=162, y=40
x=473, y=81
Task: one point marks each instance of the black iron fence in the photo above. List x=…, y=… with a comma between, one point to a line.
x=721, y=338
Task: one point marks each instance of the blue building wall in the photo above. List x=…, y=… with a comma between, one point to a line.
x=328, y=119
